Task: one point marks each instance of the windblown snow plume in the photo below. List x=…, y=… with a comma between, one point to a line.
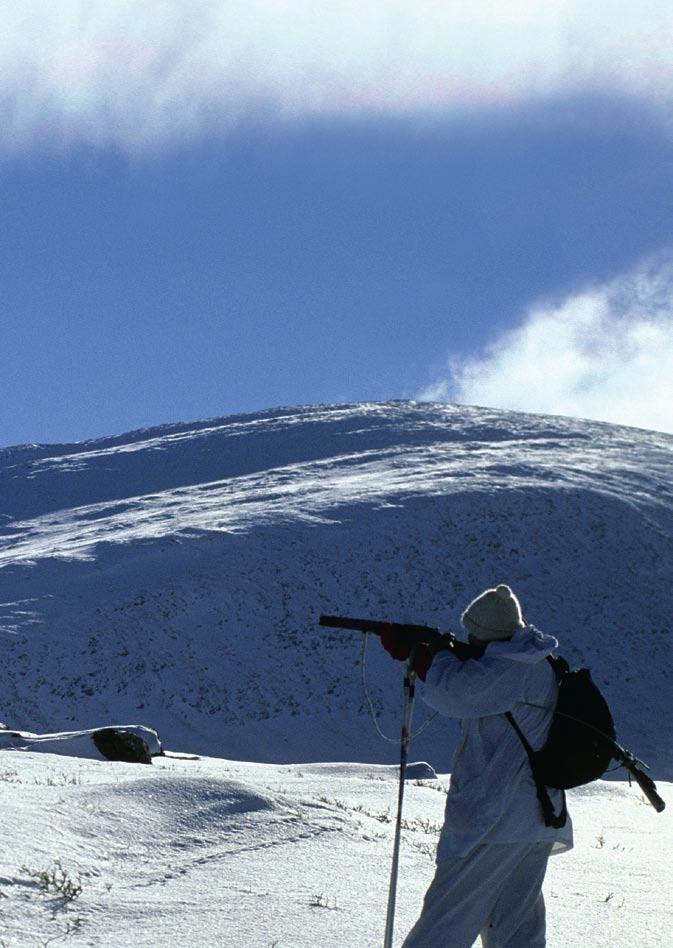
x=604, y=353
x=142, y=75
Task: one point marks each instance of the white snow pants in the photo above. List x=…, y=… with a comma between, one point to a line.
x=495, y=891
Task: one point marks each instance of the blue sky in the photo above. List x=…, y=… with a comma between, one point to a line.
x=182, y=240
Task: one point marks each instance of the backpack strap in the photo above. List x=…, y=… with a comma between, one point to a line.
x=550, y=818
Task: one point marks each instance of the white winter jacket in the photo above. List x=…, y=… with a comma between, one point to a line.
x=492, y=797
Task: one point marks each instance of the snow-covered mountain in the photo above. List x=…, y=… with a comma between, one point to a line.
x=174, y=576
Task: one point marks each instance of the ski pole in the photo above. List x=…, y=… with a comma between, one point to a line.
x=409, y=691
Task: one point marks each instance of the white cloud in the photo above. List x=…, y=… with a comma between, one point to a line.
x=143, y=74
x=605, y=353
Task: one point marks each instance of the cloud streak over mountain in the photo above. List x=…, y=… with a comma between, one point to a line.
x=142, y=76
x=604, y=353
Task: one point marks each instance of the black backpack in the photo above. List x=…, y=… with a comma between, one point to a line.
x=580, y=744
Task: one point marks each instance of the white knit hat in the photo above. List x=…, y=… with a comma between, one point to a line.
x=496, y=614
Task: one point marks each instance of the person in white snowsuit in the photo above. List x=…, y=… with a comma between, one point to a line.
x=494, y=846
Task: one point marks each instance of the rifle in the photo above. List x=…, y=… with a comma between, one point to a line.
x=414, y=634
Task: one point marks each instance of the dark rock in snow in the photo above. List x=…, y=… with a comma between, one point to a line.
x=117, y=744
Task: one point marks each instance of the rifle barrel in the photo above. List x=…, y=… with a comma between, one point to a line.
x=377, y=627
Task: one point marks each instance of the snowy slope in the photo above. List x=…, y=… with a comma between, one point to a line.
x=174, y=576
x=247, y=855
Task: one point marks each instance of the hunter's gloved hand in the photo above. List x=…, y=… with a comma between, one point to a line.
x=396, y=644
x=423, y=660
x=399, y=647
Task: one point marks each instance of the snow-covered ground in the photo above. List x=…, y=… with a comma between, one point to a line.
x=216, y=852
x=174, y=578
